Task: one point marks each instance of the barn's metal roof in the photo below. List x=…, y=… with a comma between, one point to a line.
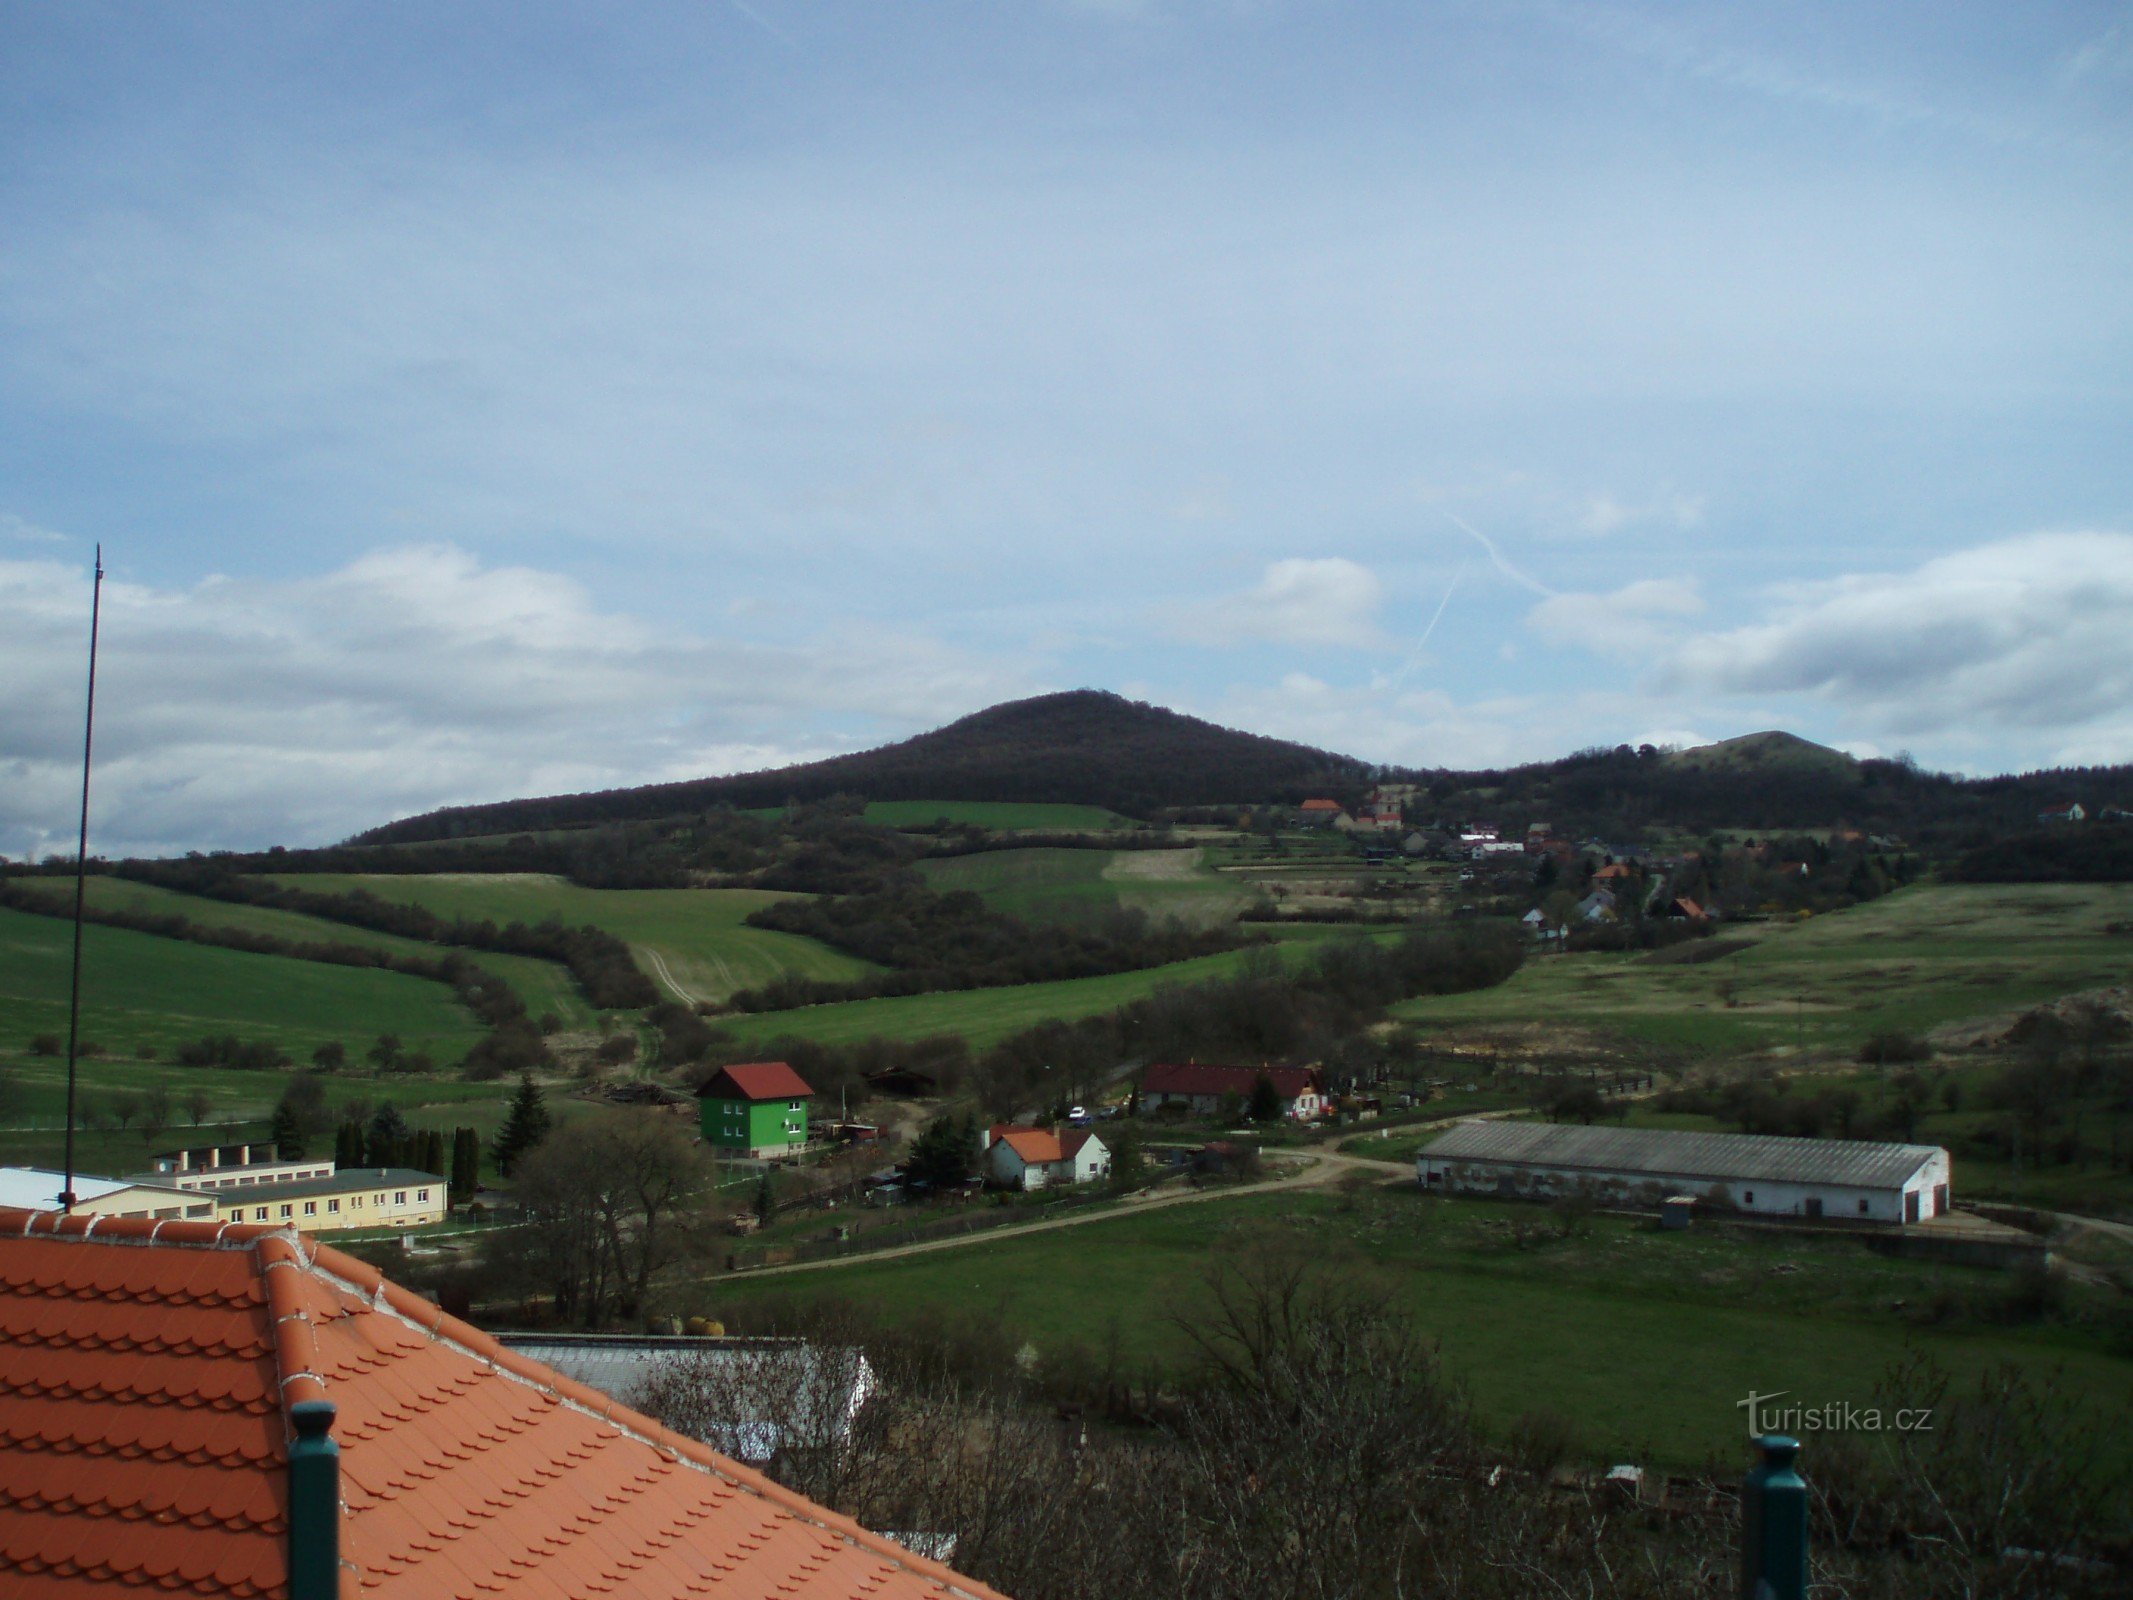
x=1667, y=1153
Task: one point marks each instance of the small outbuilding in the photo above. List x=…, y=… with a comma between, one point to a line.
x=1831, y=1179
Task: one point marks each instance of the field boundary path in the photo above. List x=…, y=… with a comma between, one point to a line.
x=1313, y=1170
x=659, y=971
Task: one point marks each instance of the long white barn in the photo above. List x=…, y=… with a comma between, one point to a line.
x=1837, y=1179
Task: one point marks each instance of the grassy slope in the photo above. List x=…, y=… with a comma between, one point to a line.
x=1913, y=960
x=698, y=933
x=985, y=1016
x=1078, y=886
x=1595, y=1329
x=142, y=991
x=543, y=985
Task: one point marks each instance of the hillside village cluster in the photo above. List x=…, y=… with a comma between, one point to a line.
x=367, y=1436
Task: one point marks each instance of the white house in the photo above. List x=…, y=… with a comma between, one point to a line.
x=1834, y=1179
x=1039, y=1158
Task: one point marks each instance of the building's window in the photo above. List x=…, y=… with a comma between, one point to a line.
x=310, y=1208
x=260, y=1214
x=1748, y=1199
x=355, y=1202
x=288, y=1211
x=1862, y=1205
x=332, y=1206
x=399, y=1197
x=422, y=1194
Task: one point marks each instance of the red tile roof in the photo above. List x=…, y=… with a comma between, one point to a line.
x=1199, y=1078
x=756, y=1080
x=144, y=1442
x=1320, y=805
x=1033, y=1145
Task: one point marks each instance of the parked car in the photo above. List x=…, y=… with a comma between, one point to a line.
x=1078, y=1116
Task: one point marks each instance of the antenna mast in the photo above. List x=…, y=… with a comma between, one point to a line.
x=81, y=876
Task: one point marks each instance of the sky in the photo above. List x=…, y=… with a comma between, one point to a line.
x=484, y=400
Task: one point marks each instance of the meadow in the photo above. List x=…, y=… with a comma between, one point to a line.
x=986, y=1016
x=144, y=993
x=1048, y=885
x=1915, y=960
x=694, y=943
x=1642, y=1342
x=544, y=986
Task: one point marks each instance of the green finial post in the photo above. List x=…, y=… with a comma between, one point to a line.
x=314, y=1504
x=1773, y=1524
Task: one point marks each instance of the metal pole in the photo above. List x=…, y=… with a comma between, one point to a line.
x=81, y=877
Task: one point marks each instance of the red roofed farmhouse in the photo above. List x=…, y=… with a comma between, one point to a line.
x=1201, y=1086
x=203, y=1409
x=1040, y=1158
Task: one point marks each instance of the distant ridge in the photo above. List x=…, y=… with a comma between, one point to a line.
x=1086, y=746
x=1768, y=751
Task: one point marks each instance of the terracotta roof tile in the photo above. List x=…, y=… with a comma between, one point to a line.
x=144, y=1439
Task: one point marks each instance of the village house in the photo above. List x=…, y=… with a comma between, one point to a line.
x=1042, y=1158
x=756, y=1109
x=1320, y=813
x=241, y=1413
x=1202, y=1087
x=1832, y=1179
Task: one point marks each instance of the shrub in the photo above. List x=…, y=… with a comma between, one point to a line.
x=1892, y=1045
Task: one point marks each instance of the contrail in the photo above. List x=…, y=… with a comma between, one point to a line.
x=1496, y=556
x=1414, y=656
x=764, y=23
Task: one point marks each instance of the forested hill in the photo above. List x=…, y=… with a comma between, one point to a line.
x=1086, y=746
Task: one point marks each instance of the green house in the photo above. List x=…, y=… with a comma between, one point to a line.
x=757, y=1109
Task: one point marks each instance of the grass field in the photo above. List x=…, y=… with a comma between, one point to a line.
x=143, y=992
x=986, y=1016
x=692, y=942
x=1914, y=960
x=1645, y=1342
x=1079, y=886
x=542, y=985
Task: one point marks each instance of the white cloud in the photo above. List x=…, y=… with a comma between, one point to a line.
x=1604, y=514
x=242, y=712
x=1330, y=602
x=1629, y=622
x=2031, y=637
x=25, y=532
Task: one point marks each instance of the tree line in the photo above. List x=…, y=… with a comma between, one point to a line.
x=931, y=942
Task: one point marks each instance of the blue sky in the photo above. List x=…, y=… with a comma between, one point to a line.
x=481, y=400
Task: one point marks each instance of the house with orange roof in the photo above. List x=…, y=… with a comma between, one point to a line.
x=1320, y=813
x=758, y=1108
x=1044, y=1158
x=243, y=1412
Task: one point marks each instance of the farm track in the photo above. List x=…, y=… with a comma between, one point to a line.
x=1315, y=1169
x=659, y=971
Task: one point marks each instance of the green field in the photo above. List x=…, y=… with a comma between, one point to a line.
x=1643, y=1341
x=1045, y=885
x=986, y=1016
x=544, y=986
x=143, y=992
x=1913, y=960
x=692, y=942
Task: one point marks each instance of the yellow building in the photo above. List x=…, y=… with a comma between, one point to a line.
x=355, y=1197
x=37, y=1189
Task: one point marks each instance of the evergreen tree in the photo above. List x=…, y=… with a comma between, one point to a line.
x=766, y=1200
x=944, y=1154
x=287, y=1133
x=386, y=1142
x=466, y=1162
x=526, y=1124
x=1265, y=1103
x=348, y=1145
